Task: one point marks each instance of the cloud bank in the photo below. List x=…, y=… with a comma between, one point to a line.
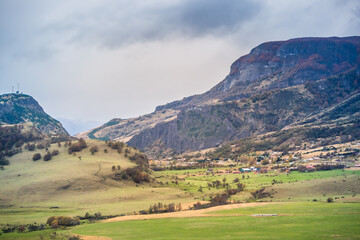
x=99, y=59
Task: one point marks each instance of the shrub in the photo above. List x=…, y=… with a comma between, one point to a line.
x=40, y=146
x=241, y=187
x=22, y=228
x=36, y=156
x=330, y=200
x=78, y=146
x=260, y=193
x=94, y=149
x=63, y=221
x=4, y=162
x=55, y=152
x=30, y=147
x=47, y=156
x=137, y=174
x=219, y=198
x=139, y=159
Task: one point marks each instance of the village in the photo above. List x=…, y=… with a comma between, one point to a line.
x=334, y=156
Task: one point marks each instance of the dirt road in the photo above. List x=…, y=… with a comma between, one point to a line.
x=182, y=214
x=189, y=213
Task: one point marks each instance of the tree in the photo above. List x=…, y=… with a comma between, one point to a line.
x=47, y=156
x=36, y=156
x=241, y=186
x=55, y=152
x=330, y=200
x=30, y=147
x=94, y=149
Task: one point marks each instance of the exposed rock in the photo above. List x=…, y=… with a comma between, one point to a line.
x=21, y=108
x=276, y=85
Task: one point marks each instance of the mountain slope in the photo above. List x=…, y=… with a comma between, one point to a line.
x=277, y=84
x=21, y=108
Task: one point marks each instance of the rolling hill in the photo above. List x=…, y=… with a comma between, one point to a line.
x=22, y=108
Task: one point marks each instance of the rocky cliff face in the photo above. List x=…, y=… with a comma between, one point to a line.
x=277, y=84
x=21, y=108
x=277, y=65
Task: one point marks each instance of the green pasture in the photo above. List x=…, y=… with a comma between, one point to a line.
x=296, y=221
x=191, y=180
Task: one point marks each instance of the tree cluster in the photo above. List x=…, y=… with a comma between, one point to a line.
x=139, y=159
x=78, y=146
x=94, y=149
x=260, y=193
x=55, y=221
x=162, y=208
x=116, y=145
x=23, y=228
x=137, y=174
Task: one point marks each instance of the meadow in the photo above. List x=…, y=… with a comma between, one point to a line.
x=74, y=184
x=294, y=221
x=311, y=183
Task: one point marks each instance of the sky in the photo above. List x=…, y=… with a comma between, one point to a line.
x=88, y=61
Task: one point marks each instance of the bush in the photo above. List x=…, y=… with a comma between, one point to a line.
x=260, y=193
x=40, y=146
x=139, y=159
x=330, y=200
x=30, y=147
x=36, y=156
x=219, y=199
x=55, y=152
x=4, y=162
x=94, y=149
x=63, y=221
x=78, y=146
x=47, y=156
x=137, y=174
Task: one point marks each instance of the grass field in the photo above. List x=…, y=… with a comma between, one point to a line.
x=65, y=185
x=296, y=221
x=311, y=183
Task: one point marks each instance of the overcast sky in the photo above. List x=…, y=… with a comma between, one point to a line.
x=94, y=60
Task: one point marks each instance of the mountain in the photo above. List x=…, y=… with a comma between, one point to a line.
x=77, y=126
x=21, y=108
x=276, y=86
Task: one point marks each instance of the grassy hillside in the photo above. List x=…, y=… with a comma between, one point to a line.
x=73, y=184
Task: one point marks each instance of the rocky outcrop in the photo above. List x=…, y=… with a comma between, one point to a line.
x=21, y=108
x=211, y=125
x=277, y=65
x=277, y=84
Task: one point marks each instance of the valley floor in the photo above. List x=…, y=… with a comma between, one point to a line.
x=300, y=220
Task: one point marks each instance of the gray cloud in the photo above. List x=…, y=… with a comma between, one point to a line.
x=130, y=22
x=99, y=59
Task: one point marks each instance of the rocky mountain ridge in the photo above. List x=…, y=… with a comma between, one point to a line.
x=22, y=108
x=276, y=85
